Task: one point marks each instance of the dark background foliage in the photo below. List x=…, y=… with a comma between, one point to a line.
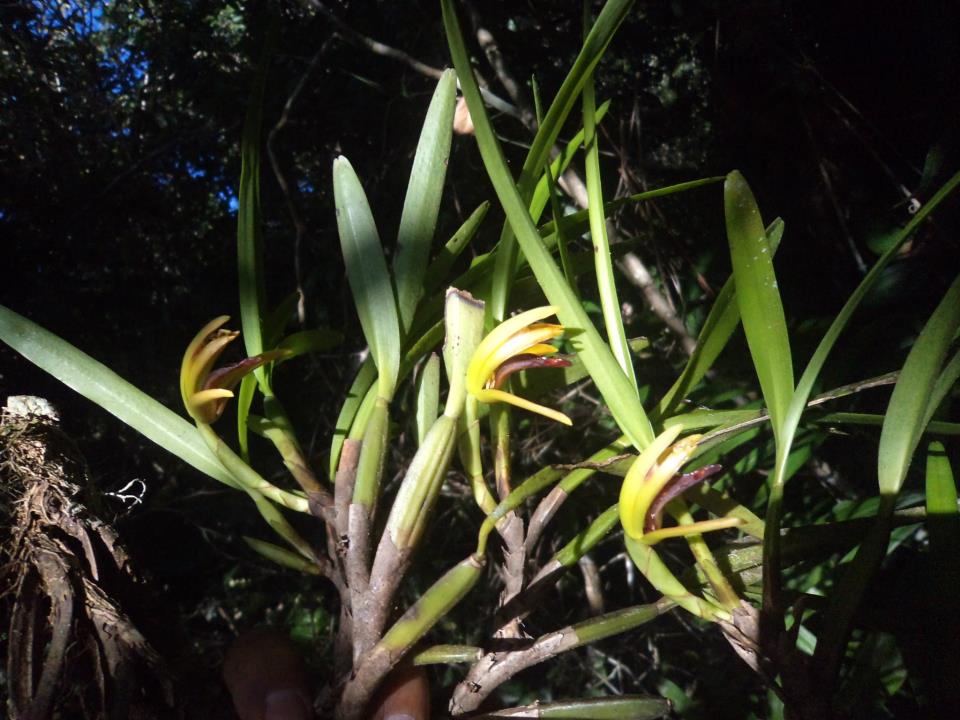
x=120, y=126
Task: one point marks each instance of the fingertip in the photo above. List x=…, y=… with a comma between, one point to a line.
x=405, y=695
x=266, y=678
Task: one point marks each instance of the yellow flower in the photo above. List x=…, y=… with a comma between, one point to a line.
x=205, y=391
x=516, y=344
x=652, y=482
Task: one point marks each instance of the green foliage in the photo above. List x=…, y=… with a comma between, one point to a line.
x=516, y=486
x=422, y=203
x=101, y=385
x=369, y=277
x=758, y=297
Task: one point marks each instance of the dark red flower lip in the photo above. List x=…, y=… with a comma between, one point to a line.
x=525, y=361
x=675, y=487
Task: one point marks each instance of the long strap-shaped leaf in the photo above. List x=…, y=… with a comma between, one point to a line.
x=764, y=323
x=594, y=45
x=603, y=261
x=798, y=402
x=912, y=394
x=368, y=275
x=819, y=358
x=717, y=329
x=943, y=524
x=98, y=383
x=249, y=229
x=758, y=297
x=250, y=282
x=616, y=389
x=902, y=429
x=422, y=203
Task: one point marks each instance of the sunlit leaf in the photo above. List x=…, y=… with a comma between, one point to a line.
x=308, y=341
x=903, y=425
x=368, y=275
x=249, y=228
x=722, y=320
x=428, y=396
x=603, y=260
x=758, y=297
x=616, y=389
x=96, y=382
x=422, y=202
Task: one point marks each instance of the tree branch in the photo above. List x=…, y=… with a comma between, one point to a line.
x=495, y=668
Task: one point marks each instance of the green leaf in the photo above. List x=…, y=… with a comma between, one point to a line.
x=422, y=203
x=578, y=221
x=282, y=556
x=543, y=192
x=248, y=388
x=610, y=18
x=428, y=396
x=934, y=427
x=907, y=410
x=361, y=384
x=249, y=227
x=437, y=273
x=368, y=274
x=943, y=524
x=819, y=357
x=616, y=389
x=281, y=526
x=603, y=261
x=548, y=183
x=943, y=386
x=308, y=341
x=901, y=432
x=98, y=383
x=941, y=498
x=758, y=297
x=717, y=329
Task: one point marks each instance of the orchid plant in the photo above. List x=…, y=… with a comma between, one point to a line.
x=374, y=534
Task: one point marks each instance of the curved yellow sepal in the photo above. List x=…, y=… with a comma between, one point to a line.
x=203, y=405
x=490, y=395
x=541, y=349
x=479, y=369
x=205, y=396
x=189, y=366
x=697, y=528
x=631, y=516
x=517, y=344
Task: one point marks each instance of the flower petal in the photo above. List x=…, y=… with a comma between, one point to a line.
x=229, y=375
x=631, y=516
x=524, y=361
x=209, y=353
x=517, y=344
x=495, y=338
x=676, y=486
x=697, y=528
x=206, y=406
x=490, y=395
x=541, y=349
x=189, y=371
